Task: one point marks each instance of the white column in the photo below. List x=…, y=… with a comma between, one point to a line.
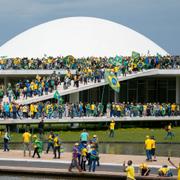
x=74, y=98
x=178, y=90
x=5, y=84
x=116, y=97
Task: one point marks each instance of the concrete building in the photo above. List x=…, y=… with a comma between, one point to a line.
x=85, y=37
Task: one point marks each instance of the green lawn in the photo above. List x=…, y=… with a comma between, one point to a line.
x=125, y=135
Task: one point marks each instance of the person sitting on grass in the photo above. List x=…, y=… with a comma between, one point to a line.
x=165, y=171
x=177, y=167
x=129, y=170
x=144, y=169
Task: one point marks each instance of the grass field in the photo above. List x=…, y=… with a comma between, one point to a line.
x=125, y=135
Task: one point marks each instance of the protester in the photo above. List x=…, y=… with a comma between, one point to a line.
x=148, y=148
x=93, y=159
x=84, y=136
x=169, y=131
x=84, y=157
x=57, y=147
x=27, y=142
x=37, y=144
x=153, y=148
x=144, y=169
x=129, y=170
x=165, y=171
x=74, y=162
x=50, y=142
x=111, y=128
x=6, y=141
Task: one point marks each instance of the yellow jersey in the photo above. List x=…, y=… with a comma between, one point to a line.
x=148, y=144
x=153, y=143
x=26, y=137
x=112, y=125
x=130, y=172
x=84, y=152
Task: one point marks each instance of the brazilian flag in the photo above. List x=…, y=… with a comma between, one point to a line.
x=112, y=81
x=135, y=55
x=56, y=95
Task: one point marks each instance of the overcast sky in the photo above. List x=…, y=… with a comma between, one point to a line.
x=159, y=20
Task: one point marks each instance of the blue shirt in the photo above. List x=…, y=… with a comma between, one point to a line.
x=84, y=136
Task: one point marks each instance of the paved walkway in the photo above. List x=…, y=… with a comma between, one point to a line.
x=104, y=158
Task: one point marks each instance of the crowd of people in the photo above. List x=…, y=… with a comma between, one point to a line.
x=87, y=69
x=51, y=110
x=85, y=153
x=79, y=63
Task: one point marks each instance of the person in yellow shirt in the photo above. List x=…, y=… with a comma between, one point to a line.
x=32, y=110
x=144, y=169
x=177, y=167
x=129, y=170
x=27, y=142
x=169, y=131
x=148, y=148
x=165, y=171
x=153, y=148
x=84, y=152
x=173, y=109
x=57, y=147
x=111, y=128
x=50, y=142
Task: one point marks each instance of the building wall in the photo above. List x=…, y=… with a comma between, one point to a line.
x=157, y=89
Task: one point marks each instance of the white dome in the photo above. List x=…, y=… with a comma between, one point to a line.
x=79, y=36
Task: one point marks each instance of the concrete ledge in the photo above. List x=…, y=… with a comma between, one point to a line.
x=63, y=173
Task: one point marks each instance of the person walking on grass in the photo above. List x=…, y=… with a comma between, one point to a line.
x=74, y=162
x=111, y=128
x=26, y=142
x=169, y=132
x=177, y=167
x=129, y=170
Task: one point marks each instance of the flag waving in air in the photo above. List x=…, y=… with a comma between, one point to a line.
x=56, y=95
x=112, y=81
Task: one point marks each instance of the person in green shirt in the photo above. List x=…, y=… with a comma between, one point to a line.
x=37, y=144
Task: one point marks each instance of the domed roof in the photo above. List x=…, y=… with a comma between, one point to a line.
x=80, y=37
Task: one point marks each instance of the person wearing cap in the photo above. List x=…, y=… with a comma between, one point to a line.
x=144, y=169
x=57, y=146
x=148, y=147
x=94, y=139
x=74, y=162
x=84, y=152
x=111, y=127
x=37, y=144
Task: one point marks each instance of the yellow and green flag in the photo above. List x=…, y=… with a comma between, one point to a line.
x=112, y=81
